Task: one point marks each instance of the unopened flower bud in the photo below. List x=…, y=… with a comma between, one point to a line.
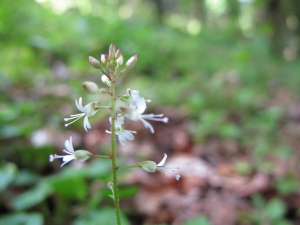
x=120, y=60
x=105, y=80
x=149, y=166
x=90, y=87
x=118, y=53
x=82, y=155
x=104, y=58
x=103, y=90
x=112, y=51
x=94, y=62
x=130, y=63
x=110, y=185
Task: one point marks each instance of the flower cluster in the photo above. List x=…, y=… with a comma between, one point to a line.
x=134, y=108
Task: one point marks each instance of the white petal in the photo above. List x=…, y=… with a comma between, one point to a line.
x=141, y=105
x=134, y=94
x=162, y=163
x=128, y=135
x=131, y=113
x=147, y=125
x=79, y=104
x=89, y=109
x=177, y=177
x=51, y=158
x=69, y=145
x=86, y=124
x=119, y=121
x=67, y=159
x=122, y=140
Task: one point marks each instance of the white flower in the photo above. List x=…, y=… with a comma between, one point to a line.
x=119, y=128
x=79, y=155
x=136, y=113
x=87, y=111
x=134, y=96
x=151, y=167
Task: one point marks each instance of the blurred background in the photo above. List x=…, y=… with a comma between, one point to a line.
x=226, y=73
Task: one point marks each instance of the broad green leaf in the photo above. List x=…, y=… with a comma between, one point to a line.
x=7, y=175
x=275, y=209
x=32, y=197
x=202, y=220
x=104, y=216
x=22, y=219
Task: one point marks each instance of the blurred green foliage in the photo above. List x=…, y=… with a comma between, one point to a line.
x=221, y=64
x=202, y=220
x=272, y=212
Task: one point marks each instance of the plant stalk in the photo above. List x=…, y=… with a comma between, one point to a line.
x=114, y=153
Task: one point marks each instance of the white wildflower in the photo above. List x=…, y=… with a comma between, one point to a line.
x=87, y=111
x=134, y=96
x=79, y=155
x=135, y=112
x=119, y=128
x=151, y=167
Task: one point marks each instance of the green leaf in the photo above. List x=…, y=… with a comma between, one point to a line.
x=287, y=184
x=275, y=209
x=25, y=177
x=7, y=175
x=104, y=216
x=70, y=187
x=282, y=222
x=202, y=220
x=32, y=197
x=258, y=201
x=128, y=192
x=22, y=219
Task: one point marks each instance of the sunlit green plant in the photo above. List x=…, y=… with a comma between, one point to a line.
x=133, y=108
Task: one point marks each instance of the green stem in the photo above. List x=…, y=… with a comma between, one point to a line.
x=114, y=152
x=129, y=167
x=121, y=74
x=100, y=156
